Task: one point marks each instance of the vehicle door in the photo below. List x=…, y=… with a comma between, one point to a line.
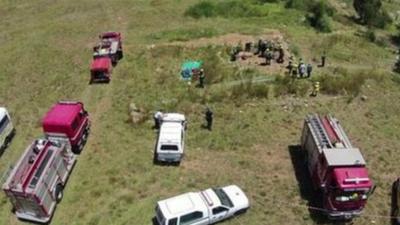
x=219, y=213
x=194, y=218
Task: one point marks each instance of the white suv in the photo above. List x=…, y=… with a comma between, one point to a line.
x=171, y=138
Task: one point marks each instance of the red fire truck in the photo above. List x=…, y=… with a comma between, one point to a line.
x=35, y=185
x=110, y=46
x=336, y=167
x=106, y=55
x=67, y=122
x=100, y=70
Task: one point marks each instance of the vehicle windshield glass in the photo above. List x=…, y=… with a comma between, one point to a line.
x=223, y=197
x=160, y=216
x=169, y=147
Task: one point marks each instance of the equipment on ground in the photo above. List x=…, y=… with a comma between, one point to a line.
x=7, y=130
x=202, y=208
x=336, y=168
x=191, y=70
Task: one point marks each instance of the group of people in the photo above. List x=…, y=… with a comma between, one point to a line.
x=265, y=49
x=208, y=115
x=268, y=49
x=299, y=70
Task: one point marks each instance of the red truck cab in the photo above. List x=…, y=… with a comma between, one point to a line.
x=100, y=70
x=337, y=169
x=67, y=122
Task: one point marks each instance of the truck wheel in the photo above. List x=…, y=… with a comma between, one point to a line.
x=58, y=192
x=77, y=149
x=242, y=211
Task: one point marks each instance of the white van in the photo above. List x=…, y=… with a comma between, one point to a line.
x=7, y=130
x=171, y=138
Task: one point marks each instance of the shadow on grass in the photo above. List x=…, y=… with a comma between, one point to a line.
x=394, y=206
x=154, y=221
x=314, y=198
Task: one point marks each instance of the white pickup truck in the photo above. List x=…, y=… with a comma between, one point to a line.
x=171, y=138
x=202, y=208
x=7, y=130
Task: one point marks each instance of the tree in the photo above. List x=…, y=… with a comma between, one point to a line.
x=319, y=16
x=371, y=13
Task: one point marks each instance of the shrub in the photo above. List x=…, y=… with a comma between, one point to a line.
x=370, y=35
x=318, y=17
x=298, y=4
x=288, y=85
x=202, y=9
x=371, y=13
x=344, y=82
x=232, y=8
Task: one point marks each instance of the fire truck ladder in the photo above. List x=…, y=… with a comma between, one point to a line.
x=319, y=131
x=339, y=131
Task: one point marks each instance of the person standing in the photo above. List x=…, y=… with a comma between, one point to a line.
x=202, y=77
x=315, y=89
x=323, y=58
x=302, y=69
x=309, y=70
x=281, y=54
x=268, y=56
x=209, y=115
x=157, y=119
x=290, y=67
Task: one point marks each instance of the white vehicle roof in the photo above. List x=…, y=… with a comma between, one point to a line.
x=182, y=204
x=173, y=117
x=3, y=112
x=170, y=132
x=343, y=157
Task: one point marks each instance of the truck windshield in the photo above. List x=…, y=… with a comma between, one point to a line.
x=223, y=197
x=169, y=147
x=345, y=196
x=160, y=216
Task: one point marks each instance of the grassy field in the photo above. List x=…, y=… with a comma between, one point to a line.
x=46, y=49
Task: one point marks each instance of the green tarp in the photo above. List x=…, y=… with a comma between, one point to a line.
x=188, y=67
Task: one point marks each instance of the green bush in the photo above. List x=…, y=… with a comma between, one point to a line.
x=201, y=9
x=370, y=35
x=232, y=8
x=344, y=82
x=319, y=16
x=371, y=13
x=288, y=85
x=298, y=4
x=248, y=88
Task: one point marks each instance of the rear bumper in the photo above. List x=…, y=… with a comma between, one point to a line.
x=347, y=215
x=99, y=79
x=163, y=159
x=24, y=216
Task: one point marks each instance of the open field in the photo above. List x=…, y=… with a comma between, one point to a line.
x=47, y=50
